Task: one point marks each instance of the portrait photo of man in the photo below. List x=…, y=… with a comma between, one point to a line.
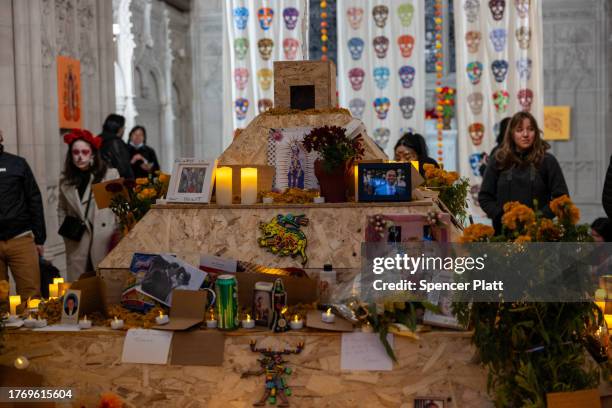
x=71, y=304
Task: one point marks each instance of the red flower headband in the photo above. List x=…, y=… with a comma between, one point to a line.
x=82, y=134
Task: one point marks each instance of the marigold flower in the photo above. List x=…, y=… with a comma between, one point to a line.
x=142, y=181
x=164, y=178
x=523, y=238
x=477, y=233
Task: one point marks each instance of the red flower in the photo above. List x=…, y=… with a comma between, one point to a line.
x=85, y=135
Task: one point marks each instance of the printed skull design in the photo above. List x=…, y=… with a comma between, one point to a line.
x=264, y=105
x=525, y=98
x=475, y=100
x=355, y=16
x=381, y=46
x=357, y=106
x=471, y=8
x=474, y=72
x=497, y=9
x=500, y=100
x=241, y=78
x=291, y=15
x=241, y=17
x=498, y=38
x=406, y=74
x=405, y=130
x=355, y=46
x=523, y=66
x=381, y=77
x=356, y=77
x=405, y=12
x=381, y=106
x=290, y=48
x=476, y=131
x=265, y=46
x=381, y=137
x=380, y=14
x=523, y=36
x=264, y=77
x=241, y=107
x=265, y=16
x=472, y=40
x=500, y=70
x=522, y=7
x=407, y=105
x=241, y=48
x=406, y=44
x=474, y=163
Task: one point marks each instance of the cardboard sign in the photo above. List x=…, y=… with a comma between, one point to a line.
x=574, y=399
x=70, y=307
x=557, y=122
x=93, y=295
x=102, y=196
x=313, y=319
x=198, y=348
x=144, y=346
x=69, y=103
x=188, y=308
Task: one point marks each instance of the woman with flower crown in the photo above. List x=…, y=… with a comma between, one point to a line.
x=521, y=170
x=86, y=230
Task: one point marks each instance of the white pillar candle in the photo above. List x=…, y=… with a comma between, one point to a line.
x=328, y=316
x=224, y=185
x=14, y=301
x=248, y=185
x=53, y=290
x=211, y=324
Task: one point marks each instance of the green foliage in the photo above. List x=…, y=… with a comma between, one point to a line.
x=455, y=198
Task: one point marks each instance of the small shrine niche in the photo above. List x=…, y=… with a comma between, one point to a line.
x=305, y=85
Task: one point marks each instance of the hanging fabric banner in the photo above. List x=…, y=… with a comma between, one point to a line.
x=259, y=33
x=499, y=73
x=381, y=66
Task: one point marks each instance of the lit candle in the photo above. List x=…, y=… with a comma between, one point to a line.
x=116, y=324
x=29, y=322
x=33, y=304
x=212, y=322
x=63, y=287
x=248, y=185
x=58, y=280
x=415, y=164
x=162, y=318
x=53, y=290
x=608, y=318
x=318, y=200
x=224, y=185
x=41, y=322
x=296, y=323
x=600, y=299
x=248, y=323
x=84, y=323
x=367, y=328
x=21, y=363
x=327, y=316
x=14, y=301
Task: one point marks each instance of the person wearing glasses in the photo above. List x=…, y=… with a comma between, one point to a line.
x=86, y=230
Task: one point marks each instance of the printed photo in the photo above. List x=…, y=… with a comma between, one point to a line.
x=192, y=180
x=384, y=182
x=294, y=166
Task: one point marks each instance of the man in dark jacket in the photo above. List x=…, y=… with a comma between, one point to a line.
x=22, y=224
x=607, y=191
x=114, y=151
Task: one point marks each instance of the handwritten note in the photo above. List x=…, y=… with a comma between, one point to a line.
x=146, y=346
x=365, y=352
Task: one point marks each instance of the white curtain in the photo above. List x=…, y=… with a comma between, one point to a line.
x=499, y=72
x=381, y=66
x=257, y=33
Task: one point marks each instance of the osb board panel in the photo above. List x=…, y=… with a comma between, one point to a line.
x=251, y=145
x=334, y=234
x=90, y=363
x=321, y=74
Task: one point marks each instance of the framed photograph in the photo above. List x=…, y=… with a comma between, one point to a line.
x=384, y=182
x=429, y=402
x=192, y=181
x=262, y=303
x=444, y=301
x=70, y=307
x=293, y=165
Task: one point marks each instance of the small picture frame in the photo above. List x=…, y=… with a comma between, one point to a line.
x=192, y=181
x=384, y=182
x=70, y=307
x=429, y=402
x=443, y=300
x=262, y=303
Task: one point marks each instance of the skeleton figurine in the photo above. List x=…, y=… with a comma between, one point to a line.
x=273, y=366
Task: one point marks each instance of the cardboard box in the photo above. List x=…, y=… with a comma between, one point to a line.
x=305, y=85
x=188, y=308
x=93, y=295
x=299, y=290
x=103, y=198
x=574, y=399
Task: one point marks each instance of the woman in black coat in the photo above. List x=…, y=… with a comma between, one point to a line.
x=142, y=157
x=521, y=170
x=412, y=147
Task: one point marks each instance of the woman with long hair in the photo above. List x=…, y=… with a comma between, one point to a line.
x=142, y=157
x=86, y=230
x=521, y=170
x=412, y=147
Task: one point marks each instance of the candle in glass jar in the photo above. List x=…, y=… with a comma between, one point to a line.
x=296, y=323
x=33, y=304
x=224, y=185
x=248, y=185
x=14, y=301
x=58, y=280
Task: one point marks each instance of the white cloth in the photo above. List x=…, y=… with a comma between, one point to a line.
x=380, y=38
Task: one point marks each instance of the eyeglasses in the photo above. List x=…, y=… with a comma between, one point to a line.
x=83, y=152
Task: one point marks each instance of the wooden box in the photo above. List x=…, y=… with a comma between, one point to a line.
x=305, y=85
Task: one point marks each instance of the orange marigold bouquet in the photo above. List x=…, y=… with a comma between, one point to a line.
x=453, y=189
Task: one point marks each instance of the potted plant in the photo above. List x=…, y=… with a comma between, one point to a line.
x=337, y=152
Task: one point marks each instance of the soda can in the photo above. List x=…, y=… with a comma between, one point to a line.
x=226, y=289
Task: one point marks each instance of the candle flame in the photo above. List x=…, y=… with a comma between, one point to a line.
x=328, y=311
x=85, y=318
x=30, y=316
x=284, y=310
x=161, y=314
x=295, y=318
x=248, y=317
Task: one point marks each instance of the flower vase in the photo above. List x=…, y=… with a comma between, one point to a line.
x=333, y=184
